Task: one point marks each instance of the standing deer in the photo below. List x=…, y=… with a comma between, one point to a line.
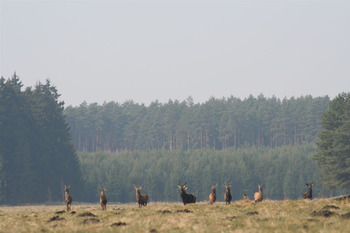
x=186, y=198
x=212, y=195
x=141, y=198
x=308, y=194
x=228, y=196
x=258, y=196
x=103, y=199
x=68, y=197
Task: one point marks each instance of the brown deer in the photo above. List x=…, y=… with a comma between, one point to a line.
x=228, y=196
x=68, y=197
x=212, y=195
x=245, y=197
x=308, y=194
x=141, y=198
x=258, y=196
x=103, y=199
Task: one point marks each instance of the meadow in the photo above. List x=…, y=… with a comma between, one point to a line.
x=318, y=215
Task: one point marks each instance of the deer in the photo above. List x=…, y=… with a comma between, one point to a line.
x=212, y=195
x=103, y=199
x=258, y=196
x=68, y=198
x=245, y=197
x=228, y=196
x=141, y=198
x=186, y=198
x=308, y=194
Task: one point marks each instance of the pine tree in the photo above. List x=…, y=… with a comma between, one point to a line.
x=37, y=156
x=333, y=154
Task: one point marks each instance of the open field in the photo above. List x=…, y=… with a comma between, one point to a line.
x=319, y=215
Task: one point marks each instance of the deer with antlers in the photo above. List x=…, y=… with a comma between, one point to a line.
x=308, y=194
x=186, y=198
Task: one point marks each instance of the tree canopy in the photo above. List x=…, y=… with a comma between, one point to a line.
x=217, y=124
x=333, y=154
x=37, y=156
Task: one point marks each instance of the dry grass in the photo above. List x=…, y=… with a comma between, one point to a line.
x=319, y=215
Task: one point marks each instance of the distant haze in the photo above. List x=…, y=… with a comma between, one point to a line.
x=98, y=51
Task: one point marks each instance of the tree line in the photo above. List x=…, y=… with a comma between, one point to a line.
x=244, y=142
x=37, y=156
x=217, y=124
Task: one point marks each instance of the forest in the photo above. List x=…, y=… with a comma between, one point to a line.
x=217, y=124
x=283, y=172
x=280, y=144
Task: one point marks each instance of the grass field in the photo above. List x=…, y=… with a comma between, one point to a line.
x=319, y=215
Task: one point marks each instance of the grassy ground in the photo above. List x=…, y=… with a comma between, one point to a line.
x=319, y=215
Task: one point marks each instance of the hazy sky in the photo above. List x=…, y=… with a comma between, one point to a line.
x=98, y=51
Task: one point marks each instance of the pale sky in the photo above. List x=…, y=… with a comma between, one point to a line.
x=98, y=51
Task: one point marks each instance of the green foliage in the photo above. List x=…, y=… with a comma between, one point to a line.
x=282, y=171
x=217, y=124
x=37, y=156
x=333, y=154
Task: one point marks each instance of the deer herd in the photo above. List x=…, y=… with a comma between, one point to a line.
x=186, y=198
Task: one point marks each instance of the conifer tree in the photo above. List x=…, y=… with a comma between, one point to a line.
x=333, y=154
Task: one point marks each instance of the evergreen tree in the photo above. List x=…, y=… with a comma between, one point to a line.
x=37, y=157
x=333, y=154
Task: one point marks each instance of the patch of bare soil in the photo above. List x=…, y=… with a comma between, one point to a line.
x=328, y=207
x=184, y=211
x=60, y=212
x=323, y=213
x=253, y=213
x=230, y=218
x=117, y=224
x=312, y=220
x=90, y=220
x=346, y=216
x=55, y=218
x=164, y=211
x=86, y=214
